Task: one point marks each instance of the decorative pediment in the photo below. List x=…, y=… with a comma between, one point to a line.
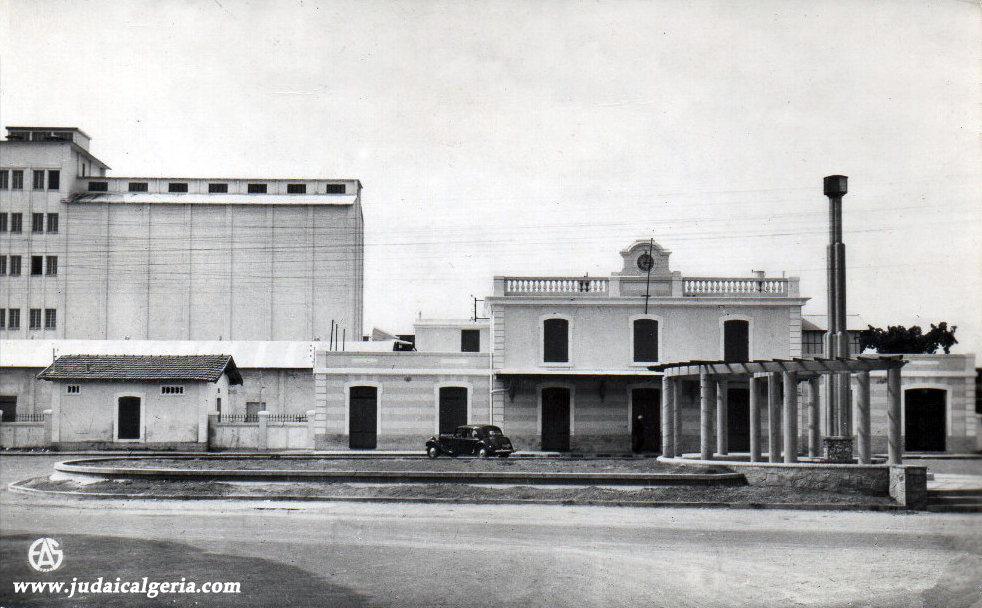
x=642, y=254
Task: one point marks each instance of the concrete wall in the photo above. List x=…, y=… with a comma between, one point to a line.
x=284, y=391
x=444, y=336
x=23, y=435
x=33, y=395
x=408, y=393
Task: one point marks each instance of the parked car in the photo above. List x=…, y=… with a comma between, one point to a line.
x=482, y=440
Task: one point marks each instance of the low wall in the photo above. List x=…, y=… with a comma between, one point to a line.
x=23, y=435
x=233, y=436
x=288, y=436
x=908, y=485
x=262, y=434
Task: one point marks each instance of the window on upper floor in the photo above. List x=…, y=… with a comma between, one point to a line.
x=98, y=186
x=15, y=265
x=812, y=343
x=51, y=265
x=3, y=222
x=179, y=187
x=50, y=318
x=39, y=179
x=335, y=189
x=35, y=318
x=256, y=188
x=37, y=222
x=3, y=318
x=3, y=265
x=4, y=179
x=52, y=222
x=13, y=318
x=470, y=340
x=555, y=341
x=17, y=179
x=37, y=265
x=172, y=390
x=16, y=222
x=54, y=179
x=217, y=188
x=736, y=340
x=296, y=188
x=73, y=389
x=139, y=187
x=645, y=340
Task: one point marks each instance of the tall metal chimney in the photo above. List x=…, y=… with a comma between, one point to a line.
x=838, y=407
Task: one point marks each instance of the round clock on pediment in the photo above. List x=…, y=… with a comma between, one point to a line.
x=645, y=262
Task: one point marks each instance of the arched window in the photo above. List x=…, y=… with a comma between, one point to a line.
x=736, y=340
x=555, y=341
x=645, y=340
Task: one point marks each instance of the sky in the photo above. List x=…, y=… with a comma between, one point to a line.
x=541, y=137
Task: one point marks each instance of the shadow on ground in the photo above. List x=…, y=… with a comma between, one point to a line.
x=264, y=582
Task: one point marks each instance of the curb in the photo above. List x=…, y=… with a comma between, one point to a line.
x=19, y=489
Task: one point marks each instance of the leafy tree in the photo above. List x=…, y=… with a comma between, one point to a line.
x=897, y=339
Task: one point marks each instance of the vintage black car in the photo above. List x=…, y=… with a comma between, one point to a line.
x=481, y=440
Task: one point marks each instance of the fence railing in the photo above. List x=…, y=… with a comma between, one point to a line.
x=700, y=286
x=254, y=418
x=554, y=285
x=288, y=417
x=23, y=418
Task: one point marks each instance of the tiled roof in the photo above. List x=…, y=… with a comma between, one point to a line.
x=207, y=368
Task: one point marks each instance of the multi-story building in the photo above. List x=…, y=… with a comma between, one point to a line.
x=87, y=256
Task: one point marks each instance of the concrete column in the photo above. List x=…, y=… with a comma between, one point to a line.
x=210, y=431
x=863, y=418
x=773, y=419
x=706, y=399
x=263, y=430
x=894, y=437
x=722, y=422
x=47, y=427
x=667, y=419
x=814, y=416
x=311, y=427
x=790, y=417
x=754, y=419
x=677, y=417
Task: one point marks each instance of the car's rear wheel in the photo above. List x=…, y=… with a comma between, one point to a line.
x=484, y=452
x=432, y=451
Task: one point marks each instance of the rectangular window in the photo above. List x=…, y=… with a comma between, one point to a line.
x=37, y=222
x=171, y=390
x=16, y=179
x=15, y=265
x=51, y=266
x=50, y=318
x=335, y=189
x=8, y=408
x=37, y=265
x=73, y=389
x=13, y=318
x=812, y=343
x=35, y=319
x=3, y=222
x=177, y=187
x=39, y=179
x=139, y=187
x=16, y=222
x=217, y=188
x=4, y=179
x=3, y=318
x=52, y=222
x=645, y=340
x=257, y=188
x=252, y=410
x=98, y=186
x=470, y=340
x=296, y=188
x=3, y=265
x=555, y=341
x=54, y=179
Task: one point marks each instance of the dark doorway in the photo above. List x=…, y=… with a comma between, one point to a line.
x=738, y=419
x=555, y=419
x=128, y=422
x=453, y=408
x=646, y=432
x=8, y=408
x=362, y=418
x=924, y=427
x=736, y=341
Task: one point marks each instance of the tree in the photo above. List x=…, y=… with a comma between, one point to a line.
x=897, y=339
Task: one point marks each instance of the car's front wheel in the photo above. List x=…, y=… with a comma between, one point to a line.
x=432, y=451
x=484, y=452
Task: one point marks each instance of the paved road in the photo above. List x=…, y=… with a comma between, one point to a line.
x=415, y=555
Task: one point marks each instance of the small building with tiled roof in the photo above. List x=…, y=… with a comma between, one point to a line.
x=137, y=401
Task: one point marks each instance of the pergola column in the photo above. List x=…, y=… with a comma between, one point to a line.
x=722, y=424
x=790, y=417
x=863, y=417
x=706, y=402
x=773, y=418
x=677, y=416
x=754, y=419
x=667, y=417
x=894, y=437
x=814, y=416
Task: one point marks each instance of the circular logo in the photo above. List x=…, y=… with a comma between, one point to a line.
x=44, y=555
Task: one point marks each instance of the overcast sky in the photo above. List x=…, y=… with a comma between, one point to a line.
x=541, y=137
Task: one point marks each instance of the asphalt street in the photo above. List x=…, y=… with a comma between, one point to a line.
x=336, y=554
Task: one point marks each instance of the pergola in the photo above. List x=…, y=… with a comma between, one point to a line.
x=714, y=377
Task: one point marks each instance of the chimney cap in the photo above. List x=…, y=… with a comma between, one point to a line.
x=836, y=185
